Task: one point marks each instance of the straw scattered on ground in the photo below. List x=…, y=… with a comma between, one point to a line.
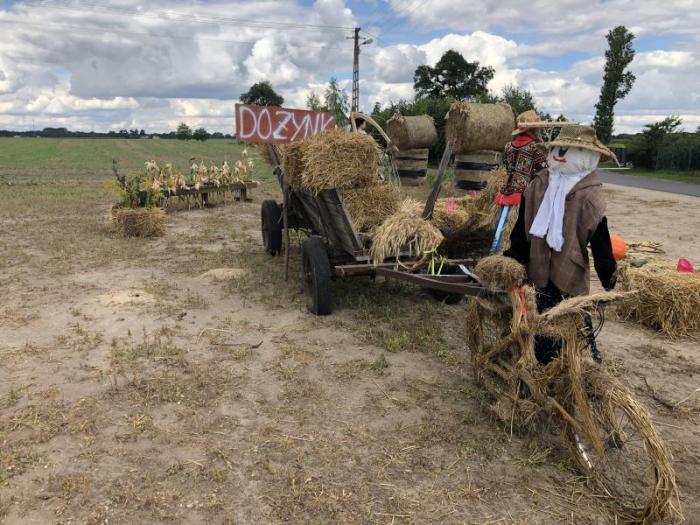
x=666, y=300
x=479, y=126
x=139, y=222
x=406, y=230
x=369, y=207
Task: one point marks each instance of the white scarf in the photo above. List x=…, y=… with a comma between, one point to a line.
x=549, y=220
x=566, y=168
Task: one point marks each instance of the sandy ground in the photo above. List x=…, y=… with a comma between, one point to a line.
x=182, y=380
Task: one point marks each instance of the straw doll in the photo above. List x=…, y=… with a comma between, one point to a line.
x=561, y=214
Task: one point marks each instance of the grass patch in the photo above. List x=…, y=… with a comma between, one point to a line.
x=691, y=177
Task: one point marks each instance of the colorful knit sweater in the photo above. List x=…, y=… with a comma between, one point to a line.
x=523, y=158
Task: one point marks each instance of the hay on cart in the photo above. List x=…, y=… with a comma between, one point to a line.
x=369, y=207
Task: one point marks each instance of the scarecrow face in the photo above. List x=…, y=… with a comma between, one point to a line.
x=572, y=160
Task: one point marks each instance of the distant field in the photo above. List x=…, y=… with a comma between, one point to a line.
x=44, y=156
x=691, y=177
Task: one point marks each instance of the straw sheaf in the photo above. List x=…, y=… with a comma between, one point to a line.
x=404, y=231
x=666, y=300
x=411, y=132
x=139, y=222
x=339, y=159
x=369, y=207
x=479, y=126
x=449, y=215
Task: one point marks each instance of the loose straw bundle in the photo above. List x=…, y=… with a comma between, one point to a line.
x=479, y=126
x=411, y=132
x=499, y=272
x=139, y=222
x=340, y=159
x=369, y=207
x=405, y=230
x=666, y=300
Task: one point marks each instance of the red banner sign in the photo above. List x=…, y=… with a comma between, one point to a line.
x=264, y=124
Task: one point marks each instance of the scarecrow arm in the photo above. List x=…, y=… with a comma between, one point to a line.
x=603, y=260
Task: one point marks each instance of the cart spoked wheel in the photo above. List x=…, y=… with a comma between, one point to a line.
x=271, y=226
x=316, y=276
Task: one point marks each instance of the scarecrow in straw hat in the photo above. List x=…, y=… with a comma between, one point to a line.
x=561, y=214
x=523, y=157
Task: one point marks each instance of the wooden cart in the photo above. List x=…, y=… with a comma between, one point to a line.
x=334, y=248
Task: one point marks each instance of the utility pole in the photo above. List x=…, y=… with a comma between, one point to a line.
x=356, y=70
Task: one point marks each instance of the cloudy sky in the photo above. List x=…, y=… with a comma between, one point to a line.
x=101, y=65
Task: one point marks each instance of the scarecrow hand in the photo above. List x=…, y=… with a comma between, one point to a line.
x=512, y=199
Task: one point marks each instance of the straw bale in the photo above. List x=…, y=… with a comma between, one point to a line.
x=499, y=272
x=405, y=230
x=340, y=159
x=369, y=207
x=666, y=300
x=411, y=132
x=292, y=160
x=139, y=222
x=479, y=126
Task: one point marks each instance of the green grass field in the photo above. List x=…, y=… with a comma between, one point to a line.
x=691, y=177
x=85, y=157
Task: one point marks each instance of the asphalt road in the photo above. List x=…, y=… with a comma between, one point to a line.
x=633, y=181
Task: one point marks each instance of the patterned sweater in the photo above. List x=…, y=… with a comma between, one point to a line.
x=523, y=158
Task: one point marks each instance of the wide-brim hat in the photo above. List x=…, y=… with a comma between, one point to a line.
x=525, y=118
x=583, y=137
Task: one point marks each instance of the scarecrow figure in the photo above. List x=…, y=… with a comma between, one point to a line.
x=523, y=157
x=562, y=213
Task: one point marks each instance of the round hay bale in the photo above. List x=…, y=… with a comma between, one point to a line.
x=339, y=159
x=499, y=272
x=405, y=231
x=411, y=132
x=139, y=222
x=369, y=207
x=479, y=126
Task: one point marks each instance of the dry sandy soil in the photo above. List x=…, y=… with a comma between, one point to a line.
x=182, y=380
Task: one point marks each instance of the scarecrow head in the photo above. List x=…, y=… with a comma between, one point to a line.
x=577, y=150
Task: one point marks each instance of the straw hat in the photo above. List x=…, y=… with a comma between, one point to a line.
x=582, y=137
x=524, y=119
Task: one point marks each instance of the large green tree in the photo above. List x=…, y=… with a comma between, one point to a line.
x=262, y=94
x=452, y=76
x=644, y=149
x=617, y=81
x=200, y=134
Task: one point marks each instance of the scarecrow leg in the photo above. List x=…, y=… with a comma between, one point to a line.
x=500, y=226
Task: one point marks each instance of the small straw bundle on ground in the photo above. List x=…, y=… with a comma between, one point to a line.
x=499, y=272
x=369, y=207
x=292, y=160
x=406, y=231
x=479, y=126
x=411, y=132
x=139, y=222
x=666, y=300
x=340, y=159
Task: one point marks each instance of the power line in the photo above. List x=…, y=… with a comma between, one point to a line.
x=404, y=15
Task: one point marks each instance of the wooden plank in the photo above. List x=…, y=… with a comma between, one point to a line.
x=339, y=220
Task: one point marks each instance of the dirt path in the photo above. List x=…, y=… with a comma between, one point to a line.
x=181, y=379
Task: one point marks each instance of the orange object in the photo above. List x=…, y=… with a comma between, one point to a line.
x=619, y=247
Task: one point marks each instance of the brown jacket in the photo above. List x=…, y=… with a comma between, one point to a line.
x=569, y=269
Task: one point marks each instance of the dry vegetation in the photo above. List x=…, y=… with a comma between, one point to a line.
x=179, y=379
